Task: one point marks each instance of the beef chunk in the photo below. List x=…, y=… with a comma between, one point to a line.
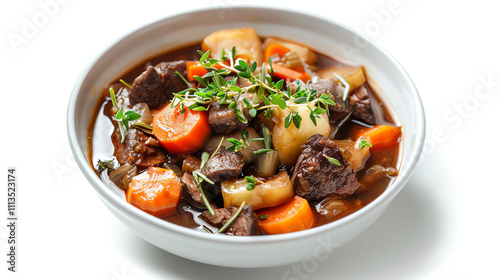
x=363, y=109
x=147, y=88
x=190, y=185
x=314, y=176
x=224, y=120
x=224, y=165
x=138, y=149
x=245, y=224
x=172, y=83
x=336, y=92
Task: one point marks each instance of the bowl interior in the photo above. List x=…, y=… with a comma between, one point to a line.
x=323, y=35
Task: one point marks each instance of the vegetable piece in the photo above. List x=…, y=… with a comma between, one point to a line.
x=288, y=140
x=285, y=73
x=265, y=194
x=353, y=75
x=382, y=136
x=306, y=55
x=245, y=40
x=247, y=153
x=276, y=49
x=356, y=152
x=293, y=215
x=194, y=69
x=267, y=163
x=122, y=176
x=181, y=133
x=156, y=191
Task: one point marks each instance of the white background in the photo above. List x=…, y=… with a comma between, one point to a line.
x=443, y=225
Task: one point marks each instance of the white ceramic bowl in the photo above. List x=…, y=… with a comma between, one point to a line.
x=325, y=36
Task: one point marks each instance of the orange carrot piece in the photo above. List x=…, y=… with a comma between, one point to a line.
x=156, y=191
x=382, y=136
x=181, y=133
x=194, y=69
x=285, y=73
x=293, y=215
x=278, y=49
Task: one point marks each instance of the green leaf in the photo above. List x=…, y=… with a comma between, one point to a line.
x=200, y=108
x=267, y=114
x=119, y=115
x=253, y=112
x=204, y=56
x=270, y=61
x=280, y=102
x=245, y=135
x=364, y=143
x=244, y=75
x=267, y=137
x=296, y=120
x=266, y=100
x=312, y=116
x=253, y=67
x=243, y=63
x=333, y=161
x=235, y=88
x=301, y=100
x=263, y=217
x=132, y=115
x=233, y=53
x=288, y=120
x=232, y=105
x=247, y=103
x=319, y=110
x=257, y=139
x=279, y=84
x=204, y=158
x=233, y=141
x=241, y=117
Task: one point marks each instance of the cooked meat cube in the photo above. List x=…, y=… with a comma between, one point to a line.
x=224, y=120
x=363, y=109
x=147, y=88
x=172, y=83
x=224, y=165
x=336, y=92
x=314, y=176
x=138, y=149
x=245, y=224
x=189, y=183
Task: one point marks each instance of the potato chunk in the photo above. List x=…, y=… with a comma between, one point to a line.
x=247, y=43
x=288, y=140
x=271, y=193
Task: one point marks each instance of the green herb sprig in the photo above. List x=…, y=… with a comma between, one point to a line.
x=244, y=143
x=333, y=161
x=122, y=118
x=226, y=92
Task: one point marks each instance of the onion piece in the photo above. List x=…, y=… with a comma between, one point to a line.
x=267, y=163
x=143, y=110
x=122, y=176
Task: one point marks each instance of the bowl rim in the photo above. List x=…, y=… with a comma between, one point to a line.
x=109, y=196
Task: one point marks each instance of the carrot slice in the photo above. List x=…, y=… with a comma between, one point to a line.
x=382, y=136
x=194, y=69
x=293, y=215
x=181, y=133
x=285, y=73
x=156, y=191
x=278, y=49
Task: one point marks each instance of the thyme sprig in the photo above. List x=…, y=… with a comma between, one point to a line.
x=215, y=88
x=244, y=143
x=122, y=118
